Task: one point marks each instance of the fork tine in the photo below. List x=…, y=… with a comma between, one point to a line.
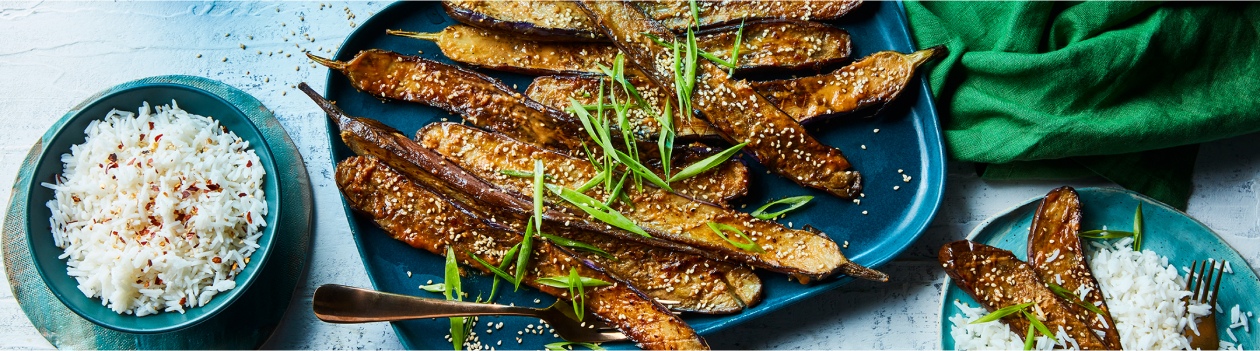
x=1207, y=282
x=1190, y=276
x=1216, y=287
x=1198, y=284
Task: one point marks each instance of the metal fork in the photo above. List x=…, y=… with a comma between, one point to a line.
x=343, y=304
x=1204, y=291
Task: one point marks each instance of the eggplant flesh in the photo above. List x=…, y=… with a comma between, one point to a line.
x=1056, y=254
x=556, y=92
x=665, y=216
x=778, y=45
x=738, y=112
x=422, y=219
x=872, y=81
x=565, y=21
x=997, y=279
x=677, y=15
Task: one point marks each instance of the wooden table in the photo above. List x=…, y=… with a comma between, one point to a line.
x=54, y=55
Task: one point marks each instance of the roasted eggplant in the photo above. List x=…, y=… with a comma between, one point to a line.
x=777, y=45
x=1055, y=253
x=677, y=15
x=538, y=20
x=488, y=103
x=483, y=101
x=564, y=21
x=997, y=279
x=555, y=91
x=872, y=81
x=666, y=217
x=738, y=112
x=422, y=219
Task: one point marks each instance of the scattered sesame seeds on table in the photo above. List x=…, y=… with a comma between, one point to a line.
x=57, y=54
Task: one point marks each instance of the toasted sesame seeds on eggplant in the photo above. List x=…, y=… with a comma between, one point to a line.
x=539, y=20
x=564, y=20
x=676, y=15
x=669, y=218
x=1056, y=254
x=870, y=82
x=425, y=220
x=555, y=91
x=738, y=112
x=487, y=103
x=997, y=279
x=771, y=45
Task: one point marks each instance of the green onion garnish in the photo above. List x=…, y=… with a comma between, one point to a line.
x=527, y=244
x=1028, y=339
x=707, y=163
x=495, y=270
x=507, y=261
x=520, y=174
x=596, y=209
x=642, y=171
x=793, y=203
x=1002, y=312
x=1137, y=228
x=739, y=37
x=1040, y=327
x=1069, y=296
x=454, y=291
x=566, y=242
x=721, y=228
x=577, y=288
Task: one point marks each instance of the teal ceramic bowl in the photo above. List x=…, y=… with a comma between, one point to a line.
x=187, y=91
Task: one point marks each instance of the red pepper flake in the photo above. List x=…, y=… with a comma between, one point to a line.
x=193, y=188
x=159, y=281
x=157, y=138
x=249, y=163
x=184, y=194
x=217, y=260
x=120, y=146
x=212, y=186
x=151, y=128
x=241, y=195
x=249, y=218
x=148, y=206
x=182, y=300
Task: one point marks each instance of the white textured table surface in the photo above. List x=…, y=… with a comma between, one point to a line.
x=53, y=55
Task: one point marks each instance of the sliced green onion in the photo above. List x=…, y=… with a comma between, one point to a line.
x=527, y=244
x=1137, y=228
x=454, y=291
x=1040, y=327
x=1002, y=312
x=721, y=228
x=793, y=203
x=596, y=209
x=1065, y=294
x=739, y=37
x=577, y=288
x=599, y=178
x=566, y=242
x=495, y=270
x=701, y=53
x=665, y=142
x=1028, y=340
x=507, y=260
x=434, y=288
x=1104, y=234
x=559, y=346
x=695, y=12
x=707, y=163
x=616, y=191
x=638, y=169
x=520, y=174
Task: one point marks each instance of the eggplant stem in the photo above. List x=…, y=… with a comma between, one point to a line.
x=858, y=271
x=919, y=57
x=414, y=35
x=337, y=65
x=328, y=106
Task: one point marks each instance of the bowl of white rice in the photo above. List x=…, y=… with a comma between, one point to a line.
x=151, y=208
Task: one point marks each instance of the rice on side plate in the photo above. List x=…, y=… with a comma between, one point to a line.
x=157, y=210
x=1143, y=293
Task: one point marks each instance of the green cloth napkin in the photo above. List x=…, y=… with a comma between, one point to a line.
x=1124, y=90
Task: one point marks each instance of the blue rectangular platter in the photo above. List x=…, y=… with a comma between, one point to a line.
x=902, y=137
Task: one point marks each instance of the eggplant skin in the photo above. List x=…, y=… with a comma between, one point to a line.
x=537, y=20
x=393, y=202
x=1055, y=252
x=997, y=279
x=677, y=16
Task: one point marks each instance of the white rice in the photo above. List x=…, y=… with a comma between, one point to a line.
x=1143, y=293
x=157, y=211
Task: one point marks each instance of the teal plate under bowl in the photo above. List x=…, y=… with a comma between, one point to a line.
x=1168, y=232
x=908, y=140
x=31, y=255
